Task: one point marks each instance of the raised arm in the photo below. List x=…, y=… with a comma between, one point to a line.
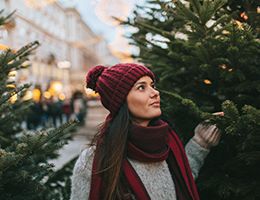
x=197, y=149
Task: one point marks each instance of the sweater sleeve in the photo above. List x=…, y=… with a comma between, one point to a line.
x=81, y=178
x=196, y=156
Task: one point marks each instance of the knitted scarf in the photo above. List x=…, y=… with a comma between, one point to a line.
x=152, y=144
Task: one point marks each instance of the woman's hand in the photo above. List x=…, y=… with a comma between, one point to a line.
x=207, y=136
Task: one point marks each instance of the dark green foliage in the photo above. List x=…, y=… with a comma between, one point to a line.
x=231, y=170
x=204, y=53
x=25, y=173
x=200, y=52
x=5, y=19
x=60, y=182
x=249, y=7
x=24, y=164
x=180, y=111
x=12, y=113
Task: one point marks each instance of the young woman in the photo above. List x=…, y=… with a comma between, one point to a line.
x=136, y=155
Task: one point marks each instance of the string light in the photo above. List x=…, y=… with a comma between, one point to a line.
x=207, y=82
x=244, y=16
x=223, y=66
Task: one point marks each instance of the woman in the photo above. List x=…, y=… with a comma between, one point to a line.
x=136, y=155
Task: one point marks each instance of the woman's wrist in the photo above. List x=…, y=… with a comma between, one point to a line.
x=201, y=142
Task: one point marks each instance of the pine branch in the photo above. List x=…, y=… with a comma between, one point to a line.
x=17, y=90
x=5, y=19
x=37, y=145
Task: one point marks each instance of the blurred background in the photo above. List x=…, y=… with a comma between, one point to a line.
x=74, y=36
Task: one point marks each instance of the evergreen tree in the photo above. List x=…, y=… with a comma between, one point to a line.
x=199, y=51
x=204, y=51
x=25, y=173
x=230, y=171
x=245, y=11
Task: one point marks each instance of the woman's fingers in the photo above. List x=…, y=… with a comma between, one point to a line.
x=216, y=137
x=207, y=135
x=199, y=128
x=212, y=135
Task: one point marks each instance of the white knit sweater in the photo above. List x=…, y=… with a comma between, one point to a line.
x=156, y=177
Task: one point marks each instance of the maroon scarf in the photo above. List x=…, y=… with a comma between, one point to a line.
x=153, y=144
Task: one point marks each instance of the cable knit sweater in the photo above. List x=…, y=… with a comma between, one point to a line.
x=156, y=177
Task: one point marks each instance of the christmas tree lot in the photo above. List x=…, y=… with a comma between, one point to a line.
x=25, y=173
x=206, y=55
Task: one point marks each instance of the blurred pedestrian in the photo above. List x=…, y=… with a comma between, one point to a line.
x=136, y=155
x=79, y=105
x=45, y=112
x=66, y=109
x=34, y=116
x=56, y=111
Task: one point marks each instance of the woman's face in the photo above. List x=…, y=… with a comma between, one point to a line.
x=143, y=101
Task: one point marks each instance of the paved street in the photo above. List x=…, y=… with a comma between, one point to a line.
x=96, y=115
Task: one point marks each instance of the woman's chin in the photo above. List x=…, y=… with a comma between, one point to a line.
x=155, y=113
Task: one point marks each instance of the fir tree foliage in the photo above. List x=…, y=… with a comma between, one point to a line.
x=206, y=56
x=25, y=173
x=199, y=51
x=246, y=11
x=178, y=110
x=231, y=170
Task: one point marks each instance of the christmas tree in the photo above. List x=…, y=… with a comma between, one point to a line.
x=25, y=173
x=245, y=11
x=206, y=56
x=215, y=57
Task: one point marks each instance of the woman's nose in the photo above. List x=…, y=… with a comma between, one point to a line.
x=154, y=92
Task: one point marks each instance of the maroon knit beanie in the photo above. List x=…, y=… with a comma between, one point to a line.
x=114, y=83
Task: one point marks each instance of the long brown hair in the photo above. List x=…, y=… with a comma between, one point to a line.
x=110, y=151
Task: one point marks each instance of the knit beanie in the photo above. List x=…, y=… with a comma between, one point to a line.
x=114, y=83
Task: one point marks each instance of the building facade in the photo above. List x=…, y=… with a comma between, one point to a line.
x=68, y=46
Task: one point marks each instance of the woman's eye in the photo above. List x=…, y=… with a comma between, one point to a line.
x=141, y=87
x=153, y=86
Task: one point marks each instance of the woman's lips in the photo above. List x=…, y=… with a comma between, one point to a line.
x=155, y=104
